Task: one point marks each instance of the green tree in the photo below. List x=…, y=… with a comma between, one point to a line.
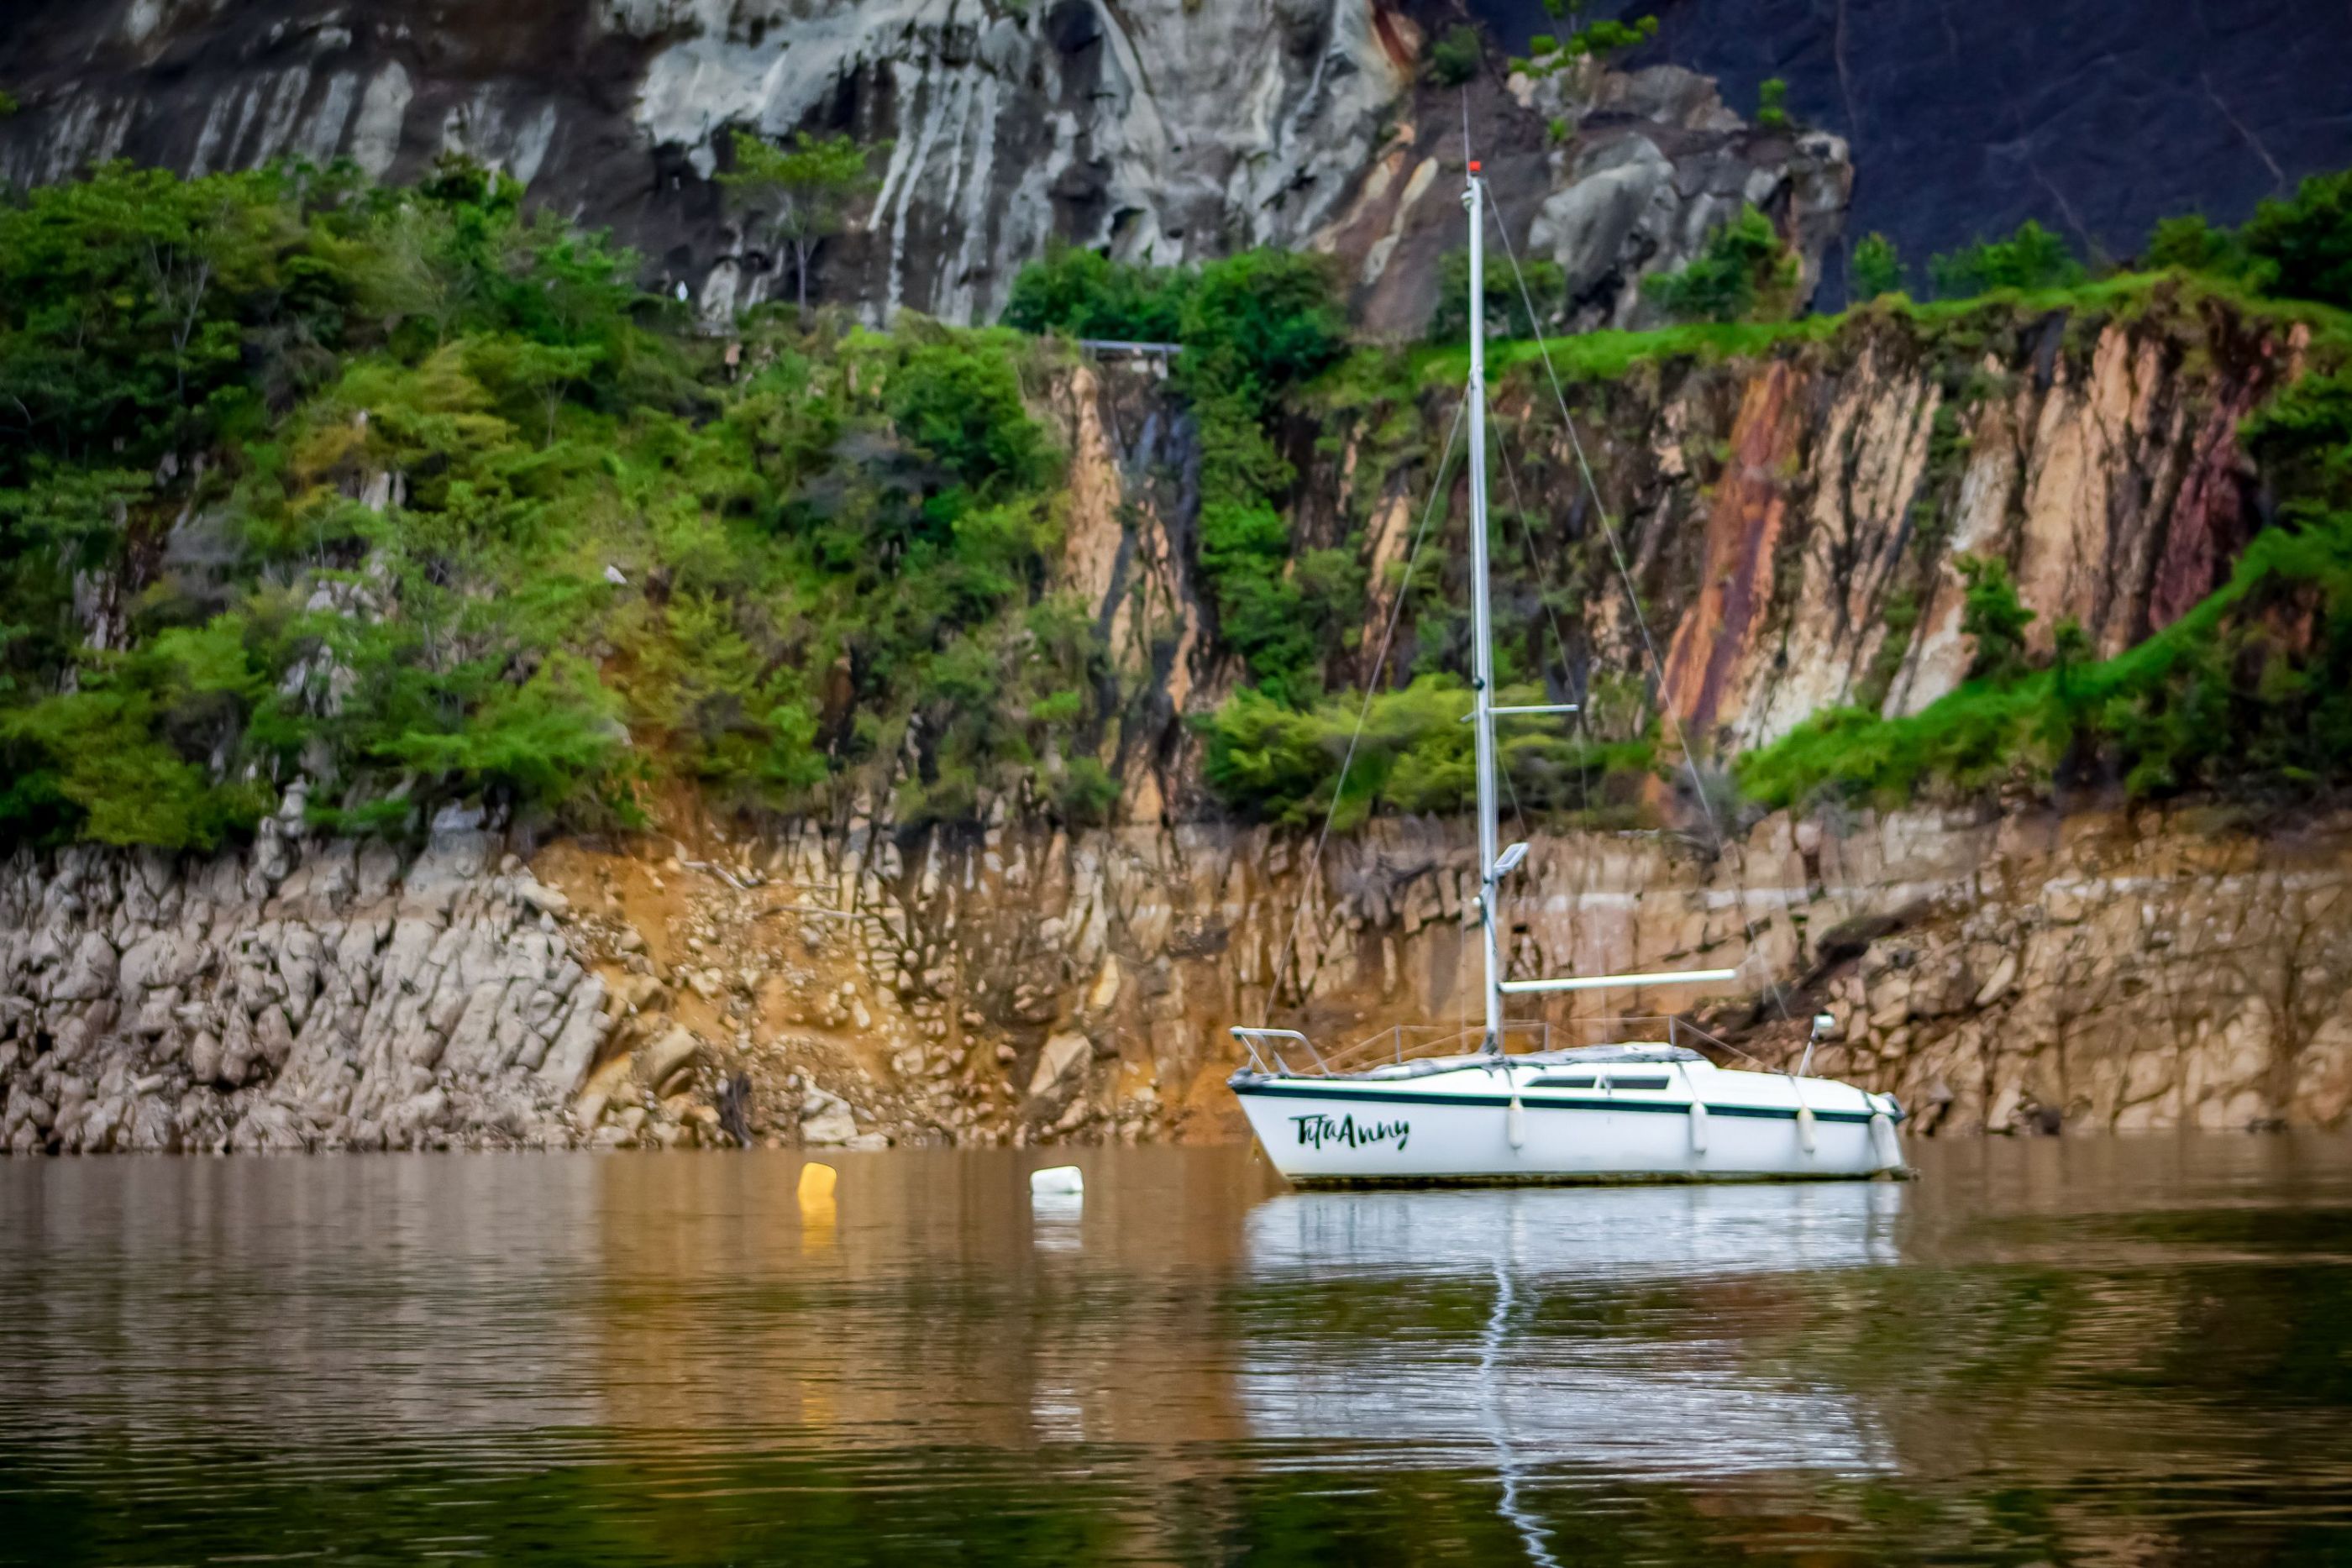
x=2032, y=258
x=1877, y=268
x=805, y=189
x=1743, y=272
x=1991, y=615
x=2193, y=245
x=1087, y=295
x=2304, y=245
x=1772, y=104
x=1453, y=59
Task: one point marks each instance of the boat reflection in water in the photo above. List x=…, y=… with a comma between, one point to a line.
x=1630, y=1329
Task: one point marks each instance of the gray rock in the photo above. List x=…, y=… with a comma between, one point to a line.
x=90, y=973
x=826, y=1119
x=1061, y=1068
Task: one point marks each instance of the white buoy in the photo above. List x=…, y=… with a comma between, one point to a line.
x=1057, y=1181
x=1698, y=1128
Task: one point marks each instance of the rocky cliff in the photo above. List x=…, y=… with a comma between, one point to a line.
x=849, y=980
x=1965, y=120
x=1171, y=130
x=2028, y=973
x=303, y=995
x=1161, y=131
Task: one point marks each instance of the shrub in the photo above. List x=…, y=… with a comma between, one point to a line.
x=1991, y=615
x=2032, y=258
x=2304, y=245
x=2229, y=694
x=1414, y=755
x=1454, y=58
x=1548, y=53
x=1743, y=272
x=1772, y=105
x=1877, y=269
x=1506, y=307
x=958, y=401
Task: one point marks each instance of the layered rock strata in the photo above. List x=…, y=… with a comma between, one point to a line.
x=303, y=995
x=2086, y=973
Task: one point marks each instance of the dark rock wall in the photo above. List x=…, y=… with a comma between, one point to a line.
x=1966, y=117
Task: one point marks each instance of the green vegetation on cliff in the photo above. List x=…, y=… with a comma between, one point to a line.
x=2252, y=688
x=1255, y=329
x=422, y=496
x=2249, y=690
x=419, y=497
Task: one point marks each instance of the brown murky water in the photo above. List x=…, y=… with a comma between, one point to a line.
x=2090, y=1352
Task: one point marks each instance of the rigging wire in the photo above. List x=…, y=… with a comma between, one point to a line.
x=1609, y=531
x=1363, y=713
x=1559, y=640
x=1624, y=573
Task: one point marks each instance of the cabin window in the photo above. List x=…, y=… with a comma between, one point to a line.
x=1583, y=1082
x=1637, y=1083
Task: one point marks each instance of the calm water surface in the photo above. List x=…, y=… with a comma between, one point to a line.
x=2044, y=1353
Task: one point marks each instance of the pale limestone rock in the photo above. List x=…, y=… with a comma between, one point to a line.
x=826, y=1119
x=1060, y=1067
x=89, y=973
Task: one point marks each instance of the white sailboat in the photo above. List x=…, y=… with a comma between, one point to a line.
x=1653, y=1110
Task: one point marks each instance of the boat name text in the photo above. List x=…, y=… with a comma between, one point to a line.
x=1318, y=1130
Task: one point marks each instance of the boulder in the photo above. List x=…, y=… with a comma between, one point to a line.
x=1061, y=1067
x=89, y=973
x=826, y=1119
x=665, y=1054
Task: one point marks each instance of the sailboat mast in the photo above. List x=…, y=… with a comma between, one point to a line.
x=1482, y=675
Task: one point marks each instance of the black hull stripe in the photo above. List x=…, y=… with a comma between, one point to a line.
x=1538, y=1103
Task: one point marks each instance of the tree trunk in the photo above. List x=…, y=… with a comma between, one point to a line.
x=800, y=271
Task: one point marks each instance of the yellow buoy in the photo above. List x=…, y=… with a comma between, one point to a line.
x=817, y=1180
x=816, y=1206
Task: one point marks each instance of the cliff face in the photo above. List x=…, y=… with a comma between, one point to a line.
x=2099, y=459
x=306, y=994
x=1793, y=518
x=849, y=981
x=2088, y=974
x=1162, y=130
x=2096, y=121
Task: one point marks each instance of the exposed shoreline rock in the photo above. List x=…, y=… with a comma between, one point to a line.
x=303, y=995
x=2093, y=972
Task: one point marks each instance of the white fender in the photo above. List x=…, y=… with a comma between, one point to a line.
x=1515, y=1123
x=1805, y=1127
x=1698, y=1128
x=1883, y=1145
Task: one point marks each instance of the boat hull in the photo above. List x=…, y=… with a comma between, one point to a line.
x=1393, y=1136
